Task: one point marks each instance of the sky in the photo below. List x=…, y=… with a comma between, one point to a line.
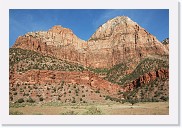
x=84, y=22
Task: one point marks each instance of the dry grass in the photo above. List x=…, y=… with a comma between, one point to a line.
x=150, y=108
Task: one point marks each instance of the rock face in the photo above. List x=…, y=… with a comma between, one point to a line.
x=119, y=58
x=166, y=43
x=147, y=78
x=118, y=40
x=85, y=78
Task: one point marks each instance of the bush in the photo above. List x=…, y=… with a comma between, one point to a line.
x=97, y=91
x=132, y=101
x=73, y=101
x=30, y=100
x=15, y=93
x=21, y=100
x=41, y=99
x=69, y=113
x=13, y=89
x=15, y=113
x=164, y=98
x=93, y=111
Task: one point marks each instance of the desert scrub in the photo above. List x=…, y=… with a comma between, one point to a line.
x=116, y=72
x=27, y=59
x=69, y=113
x=30, y=100
x=16, y=105
x=15, y=113
x=55, y=104
x=99, y=70
x=19, y=105
x=93, y=111
x=21, y=100
x=145, y=66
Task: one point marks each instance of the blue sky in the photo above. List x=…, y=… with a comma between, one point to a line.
x=84, y=22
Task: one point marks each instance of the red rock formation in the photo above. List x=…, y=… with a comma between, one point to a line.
x=146, y=78
x=118, y=40
x=43, y=77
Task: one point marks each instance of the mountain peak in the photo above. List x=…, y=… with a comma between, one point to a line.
x=59, y=29
x=120, y=18
x=109, y=27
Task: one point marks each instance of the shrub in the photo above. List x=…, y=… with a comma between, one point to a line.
x=74, y=101
x=13, y=89
x=30, y=100
x=76, y=91
x=69, y=113
x=93, y=111
x=15, y=113
x=15, y=93
x=41, y=99
x=132, y=101
x=21, y=100
x=164, y=98
x=97, y=91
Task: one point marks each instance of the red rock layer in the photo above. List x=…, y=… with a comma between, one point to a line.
x=56, y=77
x=146, y=78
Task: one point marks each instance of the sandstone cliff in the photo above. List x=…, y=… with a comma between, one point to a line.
x=118, y=40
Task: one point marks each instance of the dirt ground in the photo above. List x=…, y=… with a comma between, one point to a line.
x=147, y=108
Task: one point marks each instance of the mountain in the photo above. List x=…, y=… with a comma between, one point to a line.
x=118, y=40
x=166, y=43
x=118, y=61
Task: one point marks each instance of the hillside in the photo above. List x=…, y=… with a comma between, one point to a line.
x=43, y=78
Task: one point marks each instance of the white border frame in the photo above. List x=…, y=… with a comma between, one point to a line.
x=171, y=119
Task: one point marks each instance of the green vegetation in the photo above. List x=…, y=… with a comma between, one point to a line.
x=143, y=67
x=21, y=100
x=27, y=59
x=30, y=100
x=99, y=70
x=154, y=91
x=19, y=105
x=15, y=113
x=69, y=113
x=41, y=99
x=93, y=111
x=117, y=74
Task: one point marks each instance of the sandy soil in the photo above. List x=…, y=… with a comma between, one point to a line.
x=149, y=108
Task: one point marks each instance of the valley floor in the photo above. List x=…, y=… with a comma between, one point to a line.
x=146, y=108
